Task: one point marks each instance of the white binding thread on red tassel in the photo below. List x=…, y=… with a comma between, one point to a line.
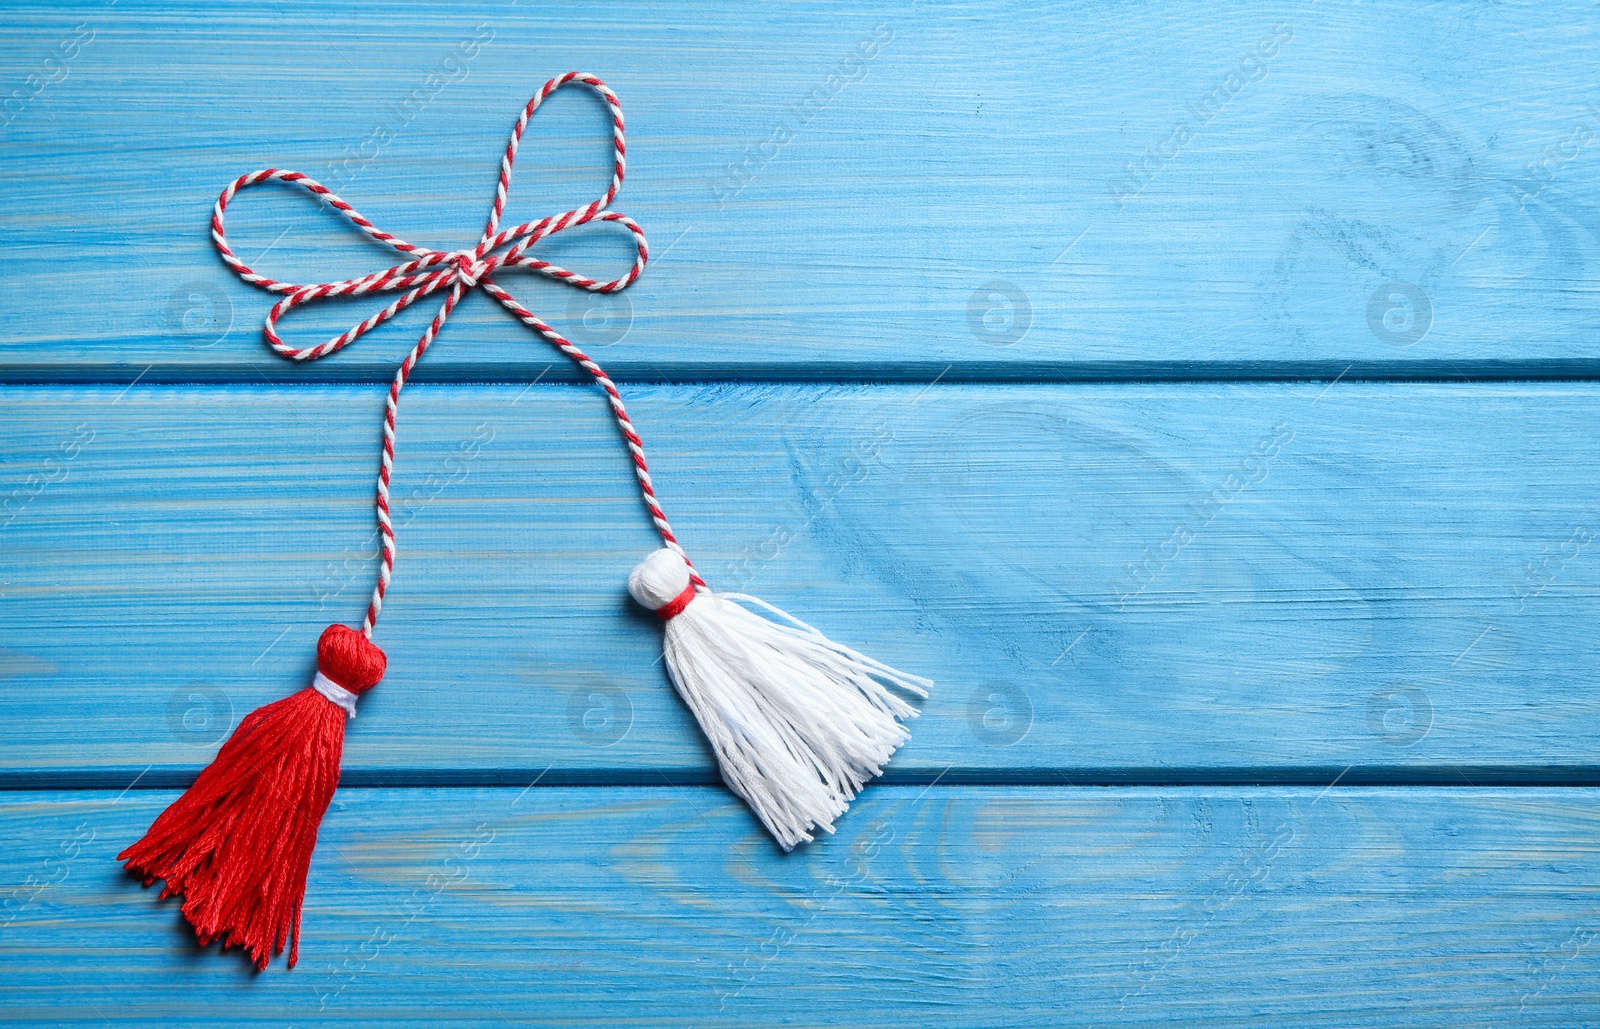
x=798, y=722
x=336, y=694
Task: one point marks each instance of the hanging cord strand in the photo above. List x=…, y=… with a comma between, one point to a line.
x=455, y=272
x=630, y=437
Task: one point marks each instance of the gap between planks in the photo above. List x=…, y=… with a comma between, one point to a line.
x=822, y=373
x=1351, y=777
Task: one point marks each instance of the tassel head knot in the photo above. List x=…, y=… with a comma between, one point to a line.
x=350, y=659
x=661, y=583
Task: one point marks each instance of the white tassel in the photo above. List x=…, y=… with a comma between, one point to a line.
x=799, y=723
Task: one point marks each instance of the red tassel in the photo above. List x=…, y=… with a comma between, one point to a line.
x=237, y=845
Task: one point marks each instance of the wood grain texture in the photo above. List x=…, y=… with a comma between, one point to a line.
x=964, y=907
x=1177, y=619
x=1126, y=581
x=831, y=192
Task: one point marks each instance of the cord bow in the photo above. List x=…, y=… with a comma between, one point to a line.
x=429, y=271
x=456, y=271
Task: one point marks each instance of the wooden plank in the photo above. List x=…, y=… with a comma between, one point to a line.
x=967, y=189
x=967, y=906
x=1112, y=583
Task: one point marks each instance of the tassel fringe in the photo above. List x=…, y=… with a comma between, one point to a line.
x=237, y=845
x=799, y=723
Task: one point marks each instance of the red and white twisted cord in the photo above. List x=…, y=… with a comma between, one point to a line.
x=430, y=271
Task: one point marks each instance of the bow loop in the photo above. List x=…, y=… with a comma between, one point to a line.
x=425, y=271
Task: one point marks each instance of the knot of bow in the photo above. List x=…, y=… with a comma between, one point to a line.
x=429, y=271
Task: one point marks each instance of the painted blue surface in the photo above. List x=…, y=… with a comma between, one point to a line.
x=1174, y=386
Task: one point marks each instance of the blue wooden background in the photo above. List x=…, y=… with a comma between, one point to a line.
x=1206, y=399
